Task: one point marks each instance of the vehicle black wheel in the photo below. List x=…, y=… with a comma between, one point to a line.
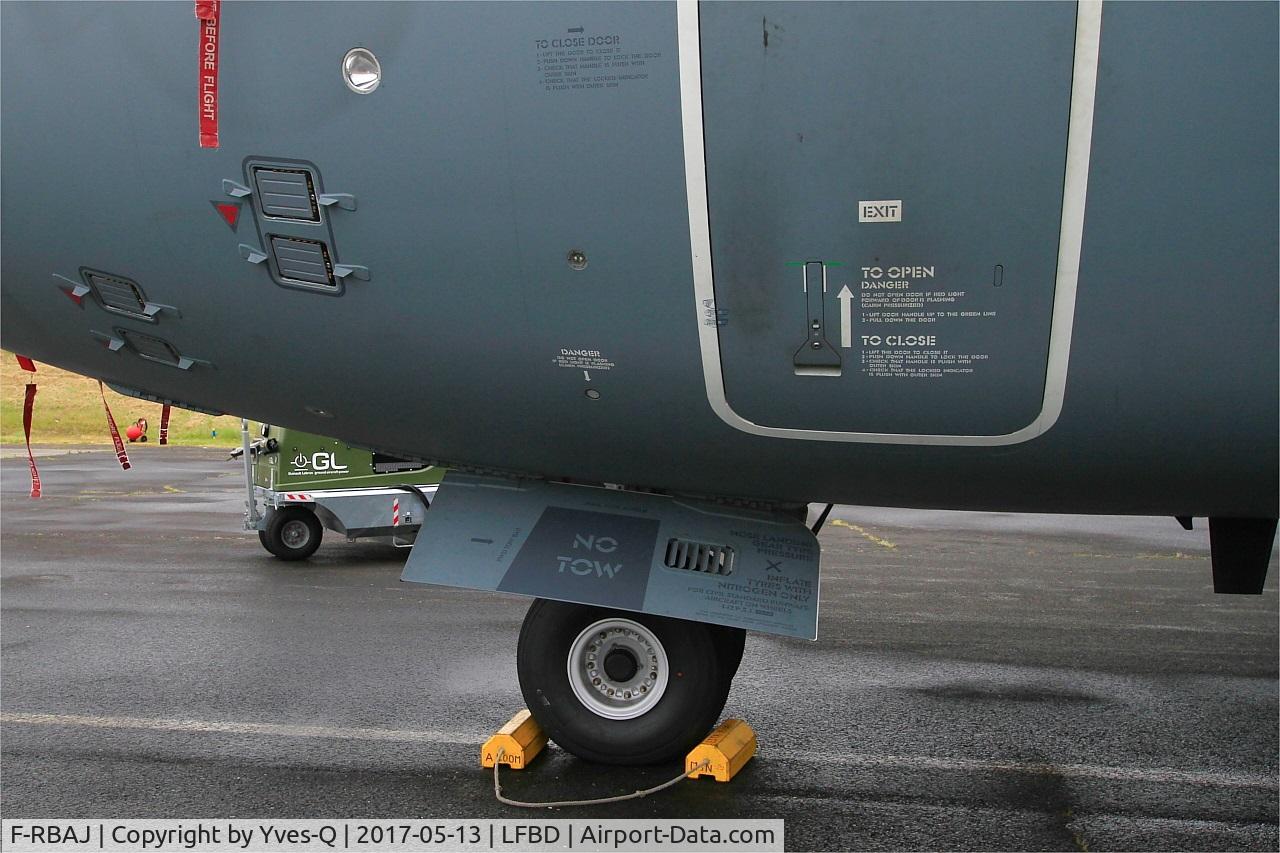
x=617, y=687
x=730, y=644
x=293, y=533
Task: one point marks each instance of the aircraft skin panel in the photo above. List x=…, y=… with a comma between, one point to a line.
x=978, y=158
x=486, y=167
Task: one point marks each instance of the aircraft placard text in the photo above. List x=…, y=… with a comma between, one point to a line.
x=580, y=61
x=884, y=210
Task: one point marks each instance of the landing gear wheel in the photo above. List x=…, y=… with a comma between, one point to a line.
x=730, y=644
x=616, y=687
x=293, y=533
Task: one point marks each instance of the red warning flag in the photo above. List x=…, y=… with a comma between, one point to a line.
x=26, y=364
x=164, y=424
x=121, y=454
x=209, y=13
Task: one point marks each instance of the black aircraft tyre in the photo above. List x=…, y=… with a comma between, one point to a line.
x=293, y=533
x=668, y=677
x=730, y=644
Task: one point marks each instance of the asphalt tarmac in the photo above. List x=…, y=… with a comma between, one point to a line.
x=981, y=681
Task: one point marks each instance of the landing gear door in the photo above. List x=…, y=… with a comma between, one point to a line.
x=885, y=192
x=625, y=550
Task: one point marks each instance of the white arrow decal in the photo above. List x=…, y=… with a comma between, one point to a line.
x=846, y=316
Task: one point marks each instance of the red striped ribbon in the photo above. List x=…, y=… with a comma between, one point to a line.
x=209, y=13
x=27, y=408
x=164, y=424
x=121, y=454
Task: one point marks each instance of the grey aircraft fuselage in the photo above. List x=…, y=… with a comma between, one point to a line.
x=999, y=256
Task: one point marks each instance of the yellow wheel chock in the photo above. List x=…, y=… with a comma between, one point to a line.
x=724, y=751
x=720, y=755
x=515, y=744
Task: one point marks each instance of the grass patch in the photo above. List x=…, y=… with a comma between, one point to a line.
x=68, y=410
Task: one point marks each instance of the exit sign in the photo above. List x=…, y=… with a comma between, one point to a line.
x=886, y=210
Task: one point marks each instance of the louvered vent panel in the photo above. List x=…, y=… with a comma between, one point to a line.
x=302, y=260
x=287, y=194
x=117, y=294
x=150, y=347
x=699, y=557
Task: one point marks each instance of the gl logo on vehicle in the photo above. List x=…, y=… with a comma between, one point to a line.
x=581, y=566
x=321, y=460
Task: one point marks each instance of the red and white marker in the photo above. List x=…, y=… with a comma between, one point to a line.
x=395, y=512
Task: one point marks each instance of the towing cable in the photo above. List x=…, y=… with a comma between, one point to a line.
x=634, y=795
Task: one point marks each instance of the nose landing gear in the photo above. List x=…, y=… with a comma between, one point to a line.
x=617, y=687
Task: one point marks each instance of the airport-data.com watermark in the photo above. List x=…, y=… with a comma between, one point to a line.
x=402, y=836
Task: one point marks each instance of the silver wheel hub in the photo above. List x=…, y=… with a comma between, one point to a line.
x=618, y=669
x=295, y=534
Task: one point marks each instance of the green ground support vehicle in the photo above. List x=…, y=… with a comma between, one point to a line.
x=305, y=483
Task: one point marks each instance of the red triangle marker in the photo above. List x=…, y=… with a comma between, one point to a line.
x=229, y=211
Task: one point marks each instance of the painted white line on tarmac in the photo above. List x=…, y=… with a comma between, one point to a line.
x=1158, y=775
x=234, y=728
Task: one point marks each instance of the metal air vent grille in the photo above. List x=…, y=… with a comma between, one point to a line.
x=384, y=464
x=304, y=261
x=699, y=557
x=151, y=347
x=118, y=294
x=286, y=193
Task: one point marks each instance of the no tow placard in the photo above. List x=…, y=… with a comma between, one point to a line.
x=612, y=548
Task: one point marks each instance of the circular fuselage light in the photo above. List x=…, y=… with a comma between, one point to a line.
x=361, y=70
